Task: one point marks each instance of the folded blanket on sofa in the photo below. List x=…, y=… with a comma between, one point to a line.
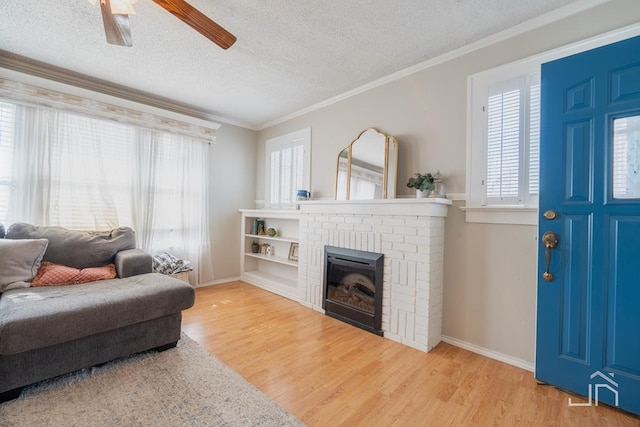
x=169, y=264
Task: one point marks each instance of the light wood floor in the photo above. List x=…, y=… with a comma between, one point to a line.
x=328, y=373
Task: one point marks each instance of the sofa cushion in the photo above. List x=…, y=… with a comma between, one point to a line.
x=51, y=274
x=19, y=261
x=39, y=317
x=79, y=249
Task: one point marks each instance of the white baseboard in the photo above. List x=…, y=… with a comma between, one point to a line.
x=523, y=364
x=218, y=282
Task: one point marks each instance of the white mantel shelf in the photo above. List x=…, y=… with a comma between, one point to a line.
x=272, y=213
x=436, y=207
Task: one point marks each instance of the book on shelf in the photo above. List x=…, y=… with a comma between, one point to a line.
x=258, y=227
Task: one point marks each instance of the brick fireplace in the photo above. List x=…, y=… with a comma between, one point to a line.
x=410, y=235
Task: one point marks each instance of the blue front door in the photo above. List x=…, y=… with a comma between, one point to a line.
x=588, y=315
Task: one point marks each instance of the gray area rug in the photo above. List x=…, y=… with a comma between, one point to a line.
x=184, y=386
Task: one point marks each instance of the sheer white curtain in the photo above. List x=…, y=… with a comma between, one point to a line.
x=67, y=170
x=85, y=173
x=171, y=186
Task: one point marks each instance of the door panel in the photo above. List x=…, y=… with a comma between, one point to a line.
x=625, y=83
x=623, y=304
x=575, y=302
x=579, y=152
x=588, y=316
x=579, y=96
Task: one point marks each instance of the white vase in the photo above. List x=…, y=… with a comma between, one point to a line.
x=422, y=194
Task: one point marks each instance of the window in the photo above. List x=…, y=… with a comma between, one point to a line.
x=287, y=169
x=504, y=144
x=7, y=117
x=513, y=140
x=80, y=172
x=491, y=167
x=626, y=157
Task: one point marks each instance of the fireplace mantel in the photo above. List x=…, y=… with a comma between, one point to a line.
x=429, y=206
x=410, y=235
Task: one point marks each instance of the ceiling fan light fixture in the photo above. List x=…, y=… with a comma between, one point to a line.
x=120, y=7
x=115, y=17
x=123, y=7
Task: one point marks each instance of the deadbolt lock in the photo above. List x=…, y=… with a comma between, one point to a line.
x=550, y=214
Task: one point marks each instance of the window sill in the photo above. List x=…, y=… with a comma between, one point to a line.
x=517, y=215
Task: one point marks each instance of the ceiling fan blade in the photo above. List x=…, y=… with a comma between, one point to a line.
x=116, y=26
x=198, y=21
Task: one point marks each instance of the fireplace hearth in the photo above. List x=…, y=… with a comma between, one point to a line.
x=353, y=287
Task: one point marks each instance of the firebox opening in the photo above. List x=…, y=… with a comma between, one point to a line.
x=353, y=287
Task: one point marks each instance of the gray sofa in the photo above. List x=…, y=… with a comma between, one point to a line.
x=48, y=331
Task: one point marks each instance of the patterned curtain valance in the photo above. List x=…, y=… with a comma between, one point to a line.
x=42, y=97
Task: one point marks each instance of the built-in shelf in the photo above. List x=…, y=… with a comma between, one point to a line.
x=273, y=258
x=277, y=239
x=276, y=272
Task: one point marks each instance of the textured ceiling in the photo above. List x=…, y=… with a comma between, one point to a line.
x=289, y=54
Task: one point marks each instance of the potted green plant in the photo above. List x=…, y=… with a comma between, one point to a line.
x=422, y=183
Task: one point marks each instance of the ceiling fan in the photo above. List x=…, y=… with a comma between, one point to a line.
x=115, y=16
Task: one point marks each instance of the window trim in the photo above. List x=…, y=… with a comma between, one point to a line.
x=478, y=93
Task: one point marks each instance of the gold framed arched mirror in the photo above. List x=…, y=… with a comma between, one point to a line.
x=367, y=167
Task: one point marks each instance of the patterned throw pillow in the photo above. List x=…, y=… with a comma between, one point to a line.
x=51, y=274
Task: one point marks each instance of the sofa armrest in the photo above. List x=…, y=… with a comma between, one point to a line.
x=132, y=262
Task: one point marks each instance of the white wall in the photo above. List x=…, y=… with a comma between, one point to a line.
x=232, y=183
x=490, y=270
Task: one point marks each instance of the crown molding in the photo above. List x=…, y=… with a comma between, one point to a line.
x=548, y=18
x=21, y=64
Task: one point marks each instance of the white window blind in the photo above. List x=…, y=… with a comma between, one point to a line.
x=534, y=139
x=7, y=138
x=512, y=141
x=503, y=144
x=287, y=168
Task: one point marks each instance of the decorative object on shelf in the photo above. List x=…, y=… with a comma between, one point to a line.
x=423, y=184
x=270, y=250
x=258, y=227
x=438, y=186
x=366, y=168
x=265, y=247
x=255, y=247
x=293, y=252
x=272, y=232
x=303, y=195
